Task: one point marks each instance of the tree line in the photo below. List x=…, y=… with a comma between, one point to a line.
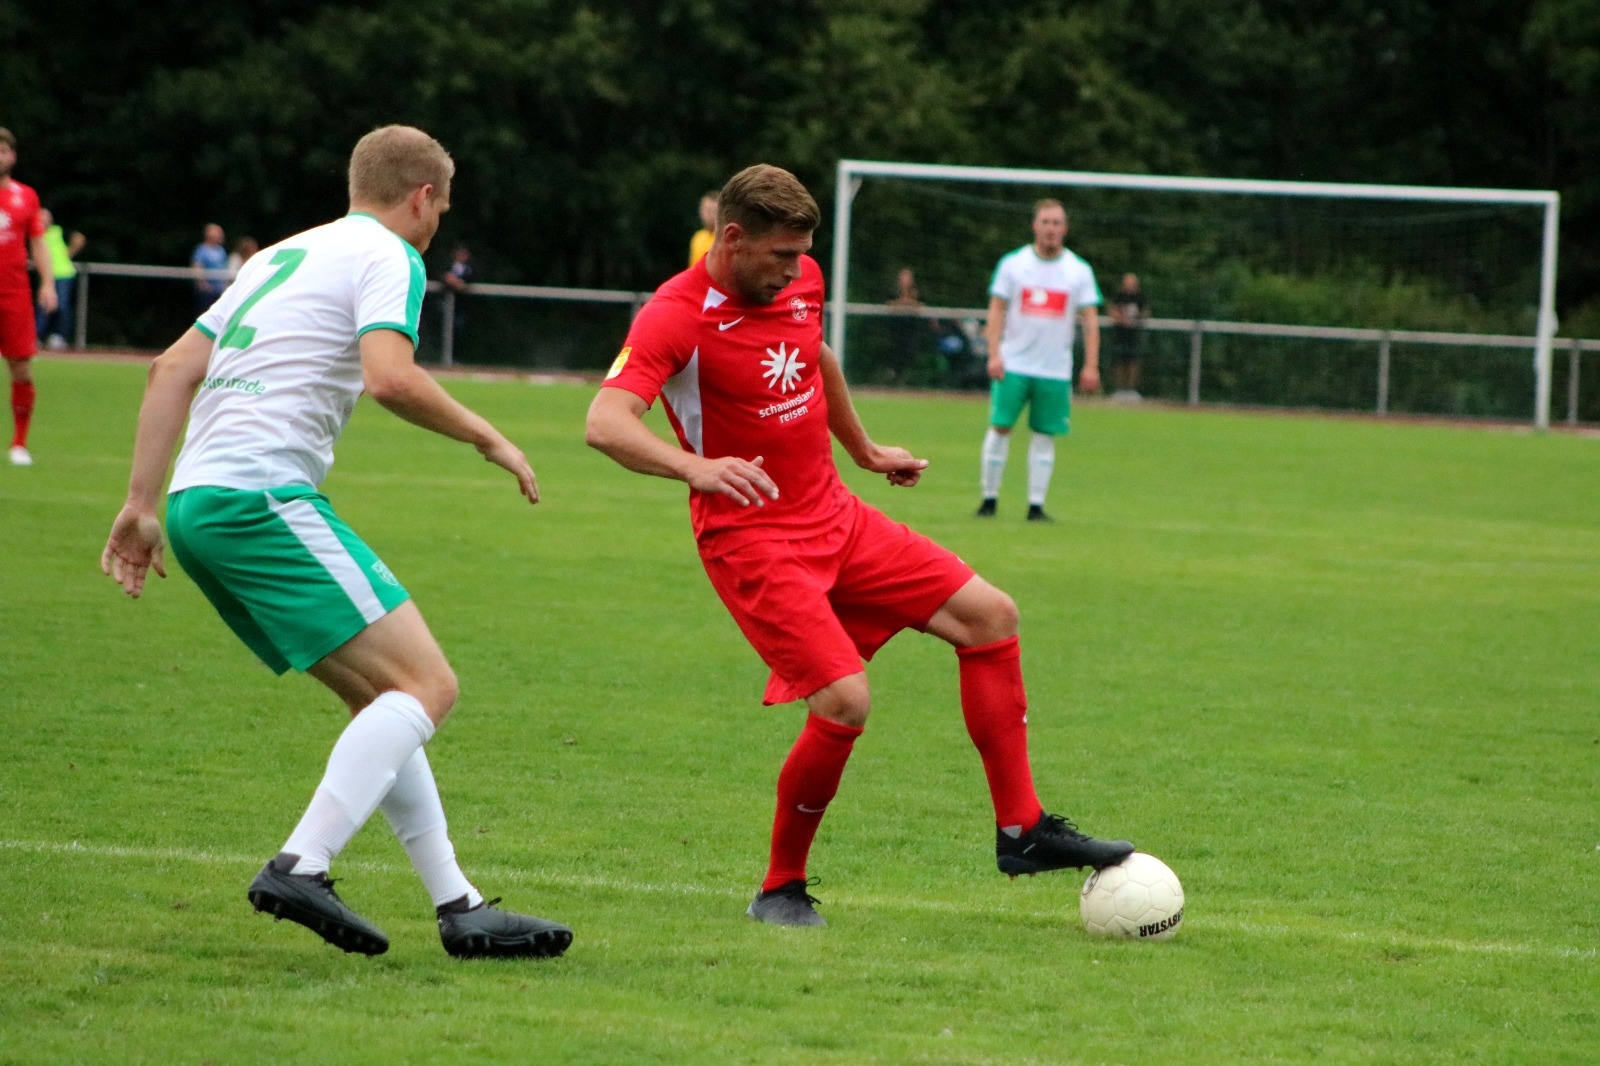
x=585, y=131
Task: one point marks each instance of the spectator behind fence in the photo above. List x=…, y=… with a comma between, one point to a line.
x=905, y=329
x=243, y=249
x=706, y=235
x=52, y=326
x=1129, y=309
x=456, y=279
x=210, y=264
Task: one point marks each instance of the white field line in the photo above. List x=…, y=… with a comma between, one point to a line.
x=1323, y=931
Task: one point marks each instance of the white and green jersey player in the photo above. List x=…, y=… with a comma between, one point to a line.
x=284, y=374
x=268, y=378
x=1038, y=293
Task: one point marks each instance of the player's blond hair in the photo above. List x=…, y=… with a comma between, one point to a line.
x=1048, y=202
x=765, y=197
x=392, y=161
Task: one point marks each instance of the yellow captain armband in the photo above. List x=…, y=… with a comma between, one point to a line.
x=617, y=365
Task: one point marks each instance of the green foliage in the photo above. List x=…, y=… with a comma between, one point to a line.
x=585, y=131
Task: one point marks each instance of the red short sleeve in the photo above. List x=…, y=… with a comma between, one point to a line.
x=660, y=344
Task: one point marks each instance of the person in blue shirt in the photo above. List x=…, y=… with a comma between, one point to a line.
x=210, y=263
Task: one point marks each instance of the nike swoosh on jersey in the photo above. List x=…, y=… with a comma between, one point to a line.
x=729, y=325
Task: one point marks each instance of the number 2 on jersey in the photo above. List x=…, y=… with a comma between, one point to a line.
x=238, y=335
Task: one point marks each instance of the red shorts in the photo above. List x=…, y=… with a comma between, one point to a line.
x=17, y=340
x=814, y=608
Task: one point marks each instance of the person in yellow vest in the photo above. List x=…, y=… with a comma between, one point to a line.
x=53, y=326
x=706, y=235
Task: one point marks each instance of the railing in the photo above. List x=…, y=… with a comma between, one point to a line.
x=635, y=300
x=1196, y=329
x=1384, y=339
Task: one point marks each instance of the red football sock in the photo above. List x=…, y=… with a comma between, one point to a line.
x=21, y=411
x=806, y=785
x=995, y=706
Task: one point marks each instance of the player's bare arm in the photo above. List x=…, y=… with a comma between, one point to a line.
x=994, y=328
x=615, y=426
x=392, y=377
x=47, y=279
x=1089, y=379
x=900, y=465
x=135, y=545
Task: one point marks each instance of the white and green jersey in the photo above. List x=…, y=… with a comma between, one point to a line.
x=285, y=366
x=1043, y=298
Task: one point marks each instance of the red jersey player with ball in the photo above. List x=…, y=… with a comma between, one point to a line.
x=816, y=579
x=20, y=228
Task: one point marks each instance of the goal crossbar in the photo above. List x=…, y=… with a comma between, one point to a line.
x=851, y=171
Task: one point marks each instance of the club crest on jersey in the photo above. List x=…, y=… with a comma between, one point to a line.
x=798, y=306
x=1046, y=303
x=783, y=368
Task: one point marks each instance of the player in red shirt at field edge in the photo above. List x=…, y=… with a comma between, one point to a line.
x=20, y=227
x=816, y=579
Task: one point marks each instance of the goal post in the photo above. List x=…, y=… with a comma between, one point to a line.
x=852, y=173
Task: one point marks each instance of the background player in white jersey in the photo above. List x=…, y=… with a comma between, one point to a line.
x=1037, y=294
x=278, y=363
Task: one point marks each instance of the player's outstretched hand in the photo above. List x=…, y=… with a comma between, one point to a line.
x=503, y=453
x=738, y=479
x=901, y=466
x=134, y=547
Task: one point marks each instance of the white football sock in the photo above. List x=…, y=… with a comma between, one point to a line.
x=417, y=817
x=1041, y=464
x=996, y=447
x=361, y=770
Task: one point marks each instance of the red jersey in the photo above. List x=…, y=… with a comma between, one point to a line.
x=19, y=221
x=742, y=379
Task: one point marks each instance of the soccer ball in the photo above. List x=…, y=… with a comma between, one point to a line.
x=1137, y=899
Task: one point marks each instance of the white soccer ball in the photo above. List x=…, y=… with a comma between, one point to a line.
x=1137, y=899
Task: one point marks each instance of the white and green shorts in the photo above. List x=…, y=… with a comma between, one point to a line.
x=287, y=575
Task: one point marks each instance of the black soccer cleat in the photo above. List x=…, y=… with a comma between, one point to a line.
x=487, y=932
x=1036, y=513
x=310, y=900
x=986, y=508
x=1055, y=844
x=788, y=904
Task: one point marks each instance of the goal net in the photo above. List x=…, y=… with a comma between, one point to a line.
x=1398, y=298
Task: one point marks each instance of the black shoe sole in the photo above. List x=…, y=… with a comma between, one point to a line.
x=345, y=937
x=1015, y=865
x=545, y=944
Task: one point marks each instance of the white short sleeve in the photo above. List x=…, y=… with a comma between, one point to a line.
x=1088, y=292
x=1004, y=282
x=216, y=316
x=389, y=290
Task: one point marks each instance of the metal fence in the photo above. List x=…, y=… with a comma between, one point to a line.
x=593, y=304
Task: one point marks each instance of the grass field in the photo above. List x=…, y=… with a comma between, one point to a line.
x=1341, y=675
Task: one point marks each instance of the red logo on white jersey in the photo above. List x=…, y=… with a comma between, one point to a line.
x=1047, y=303
x=798, y=306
